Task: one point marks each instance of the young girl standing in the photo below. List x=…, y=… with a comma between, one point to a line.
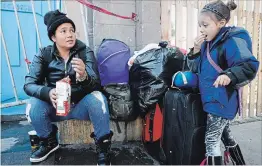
x=230, y=48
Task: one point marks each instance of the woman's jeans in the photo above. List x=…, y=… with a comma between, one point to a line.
x=92, y=107
x=217, y=129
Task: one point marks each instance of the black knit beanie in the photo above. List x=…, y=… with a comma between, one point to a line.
x=53, y=19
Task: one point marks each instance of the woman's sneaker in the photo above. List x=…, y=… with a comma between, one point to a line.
x=46, y=147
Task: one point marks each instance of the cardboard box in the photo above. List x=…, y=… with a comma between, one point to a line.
x=63, y=91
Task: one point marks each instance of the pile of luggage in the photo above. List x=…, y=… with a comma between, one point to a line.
x=150, y=84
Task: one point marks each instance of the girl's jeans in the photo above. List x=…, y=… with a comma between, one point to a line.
x=217, y=129
x=92, y=107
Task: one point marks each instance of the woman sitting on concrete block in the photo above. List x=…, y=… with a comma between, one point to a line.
x=71, y=61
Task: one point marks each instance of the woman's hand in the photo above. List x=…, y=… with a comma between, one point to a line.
x=79, y=67
x=53, y=97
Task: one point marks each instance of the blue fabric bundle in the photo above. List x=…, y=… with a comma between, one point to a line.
x=184, y=79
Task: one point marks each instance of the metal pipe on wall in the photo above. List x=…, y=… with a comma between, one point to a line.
x=49, y=5
x=20, y=34
x=58, y=5
x=84, y=23
x=8, y=64
x=65, y=8
x=36, y=25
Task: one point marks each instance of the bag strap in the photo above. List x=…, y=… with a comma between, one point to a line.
x=184, y=63
x=46, y=54
x=204, y=162
x=151, y=124
x=118, y=127
x=183, y=75
x=174, y=76
x=143, y=130
x=210, y=60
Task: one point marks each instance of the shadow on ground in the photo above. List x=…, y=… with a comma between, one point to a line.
x=15, y=150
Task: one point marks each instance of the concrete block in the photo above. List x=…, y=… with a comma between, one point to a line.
x=148, y=29
x=150, y=33
x=76, y=17
x=134, y=130
x=123, y=9
x=78, y=131
x=120, y=32
x=118, y=136
x=101, y=17
x=151, y=12
x=75, y=131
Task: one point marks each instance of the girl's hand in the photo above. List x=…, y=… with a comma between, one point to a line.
x=198, y=42
x=222, y=80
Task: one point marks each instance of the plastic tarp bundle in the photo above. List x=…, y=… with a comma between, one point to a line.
x=151, y=75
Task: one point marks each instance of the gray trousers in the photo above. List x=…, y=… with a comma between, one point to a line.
x=217, y=129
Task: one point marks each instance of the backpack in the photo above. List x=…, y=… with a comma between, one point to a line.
x=112, y=58
x=153, y=121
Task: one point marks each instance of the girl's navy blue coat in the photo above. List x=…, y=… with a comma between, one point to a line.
x=232, y=51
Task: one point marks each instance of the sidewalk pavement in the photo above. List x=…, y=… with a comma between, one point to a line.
x=249, y=137
x=15, y=147
x=15, y=150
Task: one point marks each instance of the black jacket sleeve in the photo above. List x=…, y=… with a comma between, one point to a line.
x=93, y=81
x=35, y=79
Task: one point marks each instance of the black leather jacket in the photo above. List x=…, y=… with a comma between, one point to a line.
x=48, y=67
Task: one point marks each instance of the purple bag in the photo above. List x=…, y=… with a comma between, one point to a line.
x=112, y=58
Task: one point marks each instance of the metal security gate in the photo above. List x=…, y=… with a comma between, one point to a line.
x=51, y=5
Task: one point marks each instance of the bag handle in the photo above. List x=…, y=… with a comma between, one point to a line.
x=184, y=63
x=183, y=77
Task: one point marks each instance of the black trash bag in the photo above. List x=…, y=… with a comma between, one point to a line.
x=151, y=75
